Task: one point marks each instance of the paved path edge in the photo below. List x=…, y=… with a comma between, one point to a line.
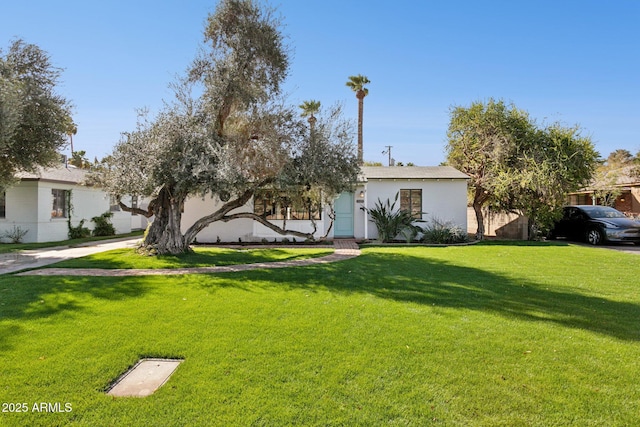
x=345, y=249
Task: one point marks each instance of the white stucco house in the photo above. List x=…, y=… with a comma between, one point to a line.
x=438, y=191
x=39, y=203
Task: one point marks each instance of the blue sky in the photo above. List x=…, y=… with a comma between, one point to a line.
x=569, y=61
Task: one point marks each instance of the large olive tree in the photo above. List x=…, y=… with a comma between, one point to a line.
x=235, y=139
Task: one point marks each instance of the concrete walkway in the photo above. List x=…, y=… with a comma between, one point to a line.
x=36, y=258
x=344, y=249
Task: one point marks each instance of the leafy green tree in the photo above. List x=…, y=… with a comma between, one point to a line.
x=555, y=161
x=236, y=140
x=635, y=170
x=516, y=165
x=619, y=158
x=481, y=138
x=357, y=84
x=33, y=117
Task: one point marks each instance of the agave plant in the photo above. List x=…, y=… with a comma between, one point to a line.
x=391, y=222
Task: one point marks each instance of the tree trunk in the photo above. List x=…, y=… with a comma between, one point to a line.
x=360, y=95
x=477, y=207
x=165, y=236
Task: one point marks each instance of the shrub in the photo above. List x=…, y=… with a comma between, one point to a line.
x=391, y=222
x=443, y=232
x=79, y=231
x=15, y=235
x=103, y=225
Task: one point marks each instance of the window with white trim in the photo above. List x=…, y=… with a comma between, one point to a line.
x=60, y=203
x=411, y=200
x=114, y=204
x=272, y=206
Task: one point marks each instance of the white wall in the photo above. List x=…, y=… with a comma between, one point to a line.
x=247, y=230
x=138, y=222
x=86, y=202
x=21, y=210
x=29, y=205
x=442, y=199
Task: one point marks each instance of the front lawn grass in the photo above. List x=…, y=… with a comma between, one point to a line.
x=482, y=335
x=200, y=257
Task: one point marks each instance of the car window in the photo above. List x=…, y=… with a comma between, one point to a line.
x=604, y=212
x=574, y=213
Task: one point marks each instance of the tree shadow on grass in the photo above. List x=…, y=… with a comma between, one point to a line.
x=432, y=282
x=392, y=275
x=202, y=257
x=24, y=298
x=535, y=243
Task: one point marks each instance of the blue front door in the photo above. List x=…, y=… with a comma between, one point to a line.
x=343, y=226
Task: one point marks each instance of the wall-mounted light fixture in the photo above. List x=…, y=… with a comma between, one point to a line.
x=361, y=195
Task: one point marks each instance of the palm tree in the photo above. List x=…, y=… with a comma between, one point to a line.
x=71, y=129
x=356, y=83
x=309, y=108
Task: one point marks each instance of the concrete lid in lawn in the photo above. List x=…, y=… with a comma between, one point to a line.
x=144, y=378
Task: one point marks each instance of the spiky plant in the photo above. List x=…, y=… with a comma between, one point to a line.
x=391, y=221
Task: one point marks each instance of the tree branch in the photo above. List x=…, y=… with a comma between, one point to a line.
x=271, y=226
x=218, y=215
x=146, y=213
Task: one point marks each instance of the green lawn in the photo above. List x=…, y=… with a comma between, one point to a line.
x=200, y=257
x=482, y=335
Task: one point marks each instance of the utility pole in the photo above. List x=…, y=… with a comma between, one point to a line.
x=388, y=151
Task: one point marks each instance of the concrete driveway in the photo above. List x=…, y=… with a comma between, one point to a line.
x=35, y=258
x=623, y=247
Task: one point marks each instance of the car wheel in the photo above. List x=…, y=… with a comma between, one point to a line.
x=594, y=236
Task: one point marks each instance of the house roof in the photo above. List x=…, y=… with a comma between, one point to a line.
x=61, y=174
x=624, y=178
x=411, y=172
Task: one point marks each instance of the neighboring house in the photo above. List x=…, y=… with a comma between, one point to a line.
x=625, y=186
x=43, y=202
x=438, y=192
